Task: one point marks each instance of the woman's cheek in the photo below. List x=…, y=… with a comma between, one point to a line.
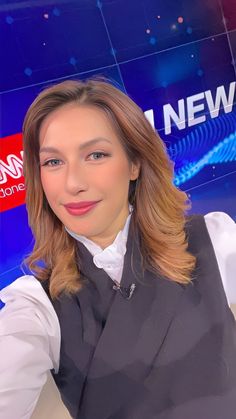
x=50, y=187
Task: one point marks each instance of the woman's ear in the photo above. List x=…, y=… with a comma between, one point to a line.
x=135, y=169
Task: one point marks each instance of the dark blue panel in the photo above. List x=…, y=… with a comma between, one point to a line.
x=139, y=28
x=51, y=40
x=17, y=241
x=15, y=103
x=217, y=195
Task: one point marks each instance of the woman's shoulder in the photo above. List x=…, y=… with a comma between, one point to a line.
x=26, y=292
x=30, y=345
x=26, y=310
x=221, y=229
x=218, y=224
x=24, y=287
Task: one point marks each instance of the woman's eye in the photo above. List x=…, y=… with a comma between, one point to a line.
x=97, y=155
x=52, y=163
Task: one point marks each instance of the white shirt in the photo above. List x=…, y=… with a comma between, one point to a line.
x=30, y=331
x=111, y=259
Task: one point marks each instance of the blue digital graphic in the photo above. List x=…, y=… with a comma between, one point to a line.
x=221, y=153
x=211, y=143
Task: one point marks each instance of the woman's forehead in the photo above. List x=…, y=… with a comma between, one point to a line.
x=73, y=119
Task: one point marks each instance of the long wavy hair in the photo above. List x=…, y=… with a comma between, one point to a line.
x=159, y=207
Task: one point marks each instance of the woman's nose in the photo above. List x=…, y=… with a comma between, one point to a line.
x=76, y=179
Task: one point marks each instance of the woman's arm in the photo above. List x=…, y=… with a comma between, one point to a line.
x=29, y=346
x=222, y=230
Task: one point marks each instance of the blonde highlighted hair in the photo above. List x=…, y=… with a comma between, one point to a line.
x=159, y=207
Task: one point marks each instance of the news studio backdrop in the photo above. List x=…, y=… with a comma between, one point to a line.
x=175, y=58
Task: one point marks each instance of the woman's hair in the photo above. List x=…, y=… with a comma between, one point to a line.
x=159, y=207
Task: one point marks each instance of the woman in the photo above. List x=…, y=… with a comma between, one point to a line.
x=126, y=306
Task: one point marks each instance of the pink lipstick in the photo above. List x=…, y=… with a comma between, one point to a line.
x=80, y=208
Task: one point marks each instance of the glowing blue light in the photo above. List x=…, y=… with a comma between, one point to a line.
x=152, y=40
x=223, y=152
x=56, y=11
x=202, y=138
x=73, y=61
x=28, y=71
x=9, y=19
x=113, y=51
x=164, y=84
x=200, y=72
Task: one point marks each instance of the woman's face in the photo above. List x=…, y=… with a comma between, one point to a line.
x=85, y=172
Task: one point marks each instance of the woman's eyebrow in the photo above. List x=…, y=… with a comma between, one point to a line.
x=81, y=147
x=94, y=141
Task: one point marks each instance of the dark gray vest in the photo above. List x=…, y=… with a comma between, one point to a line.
x=167, y=353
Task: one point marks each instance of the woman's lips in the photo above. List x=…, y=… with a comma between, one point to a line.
x=80, y=208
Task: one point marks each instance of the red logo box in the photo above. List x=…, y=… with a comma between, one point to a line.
x=12, y=187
